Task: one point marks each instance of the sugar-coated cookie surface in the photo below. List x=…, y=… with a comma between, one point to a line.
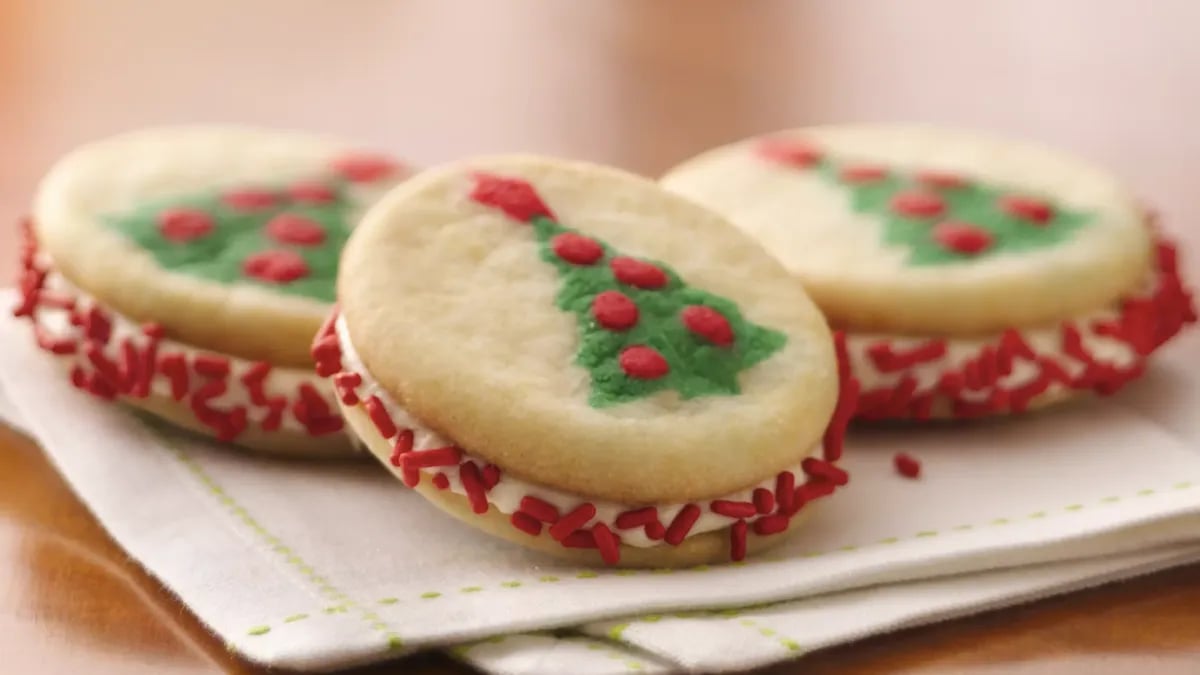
x=227, y=237
x=583, y=329
x=918, y=230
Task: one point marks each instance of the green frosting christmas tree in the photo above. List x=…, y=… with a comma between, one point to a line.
x=286, y=237
x=940, y=218
x=642, y=328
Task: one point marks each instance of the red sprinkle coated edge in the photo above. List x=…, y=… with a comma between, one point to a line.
x=1145, y=323
x=195, y=382
x=773, y=510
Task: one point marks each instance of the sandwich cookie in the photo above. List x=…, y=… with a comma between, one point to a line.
x=971, y=275
x=571, y=358
x=185, y=270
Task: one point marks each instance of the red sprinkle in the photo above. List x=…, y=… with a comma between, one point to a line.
x=655, y=531
x=771, y=525
x=823, y=470
x=424, y=459
x=472, y=482
x=105, y=368
x=253, y=378
x=100, y=387
x=327, y=354
x=577, y=249
x=684, y=520
x=274, y=417
x=737, y=541
x=922, y=407
x=579, y=539
x=731, y=509
x=346, y=384
x=708, y=323
x=574, y=520
x=813, y=490
x=785, y=492
x=764, y=500
x=540, y=509
x=515, y=197
x=962, y=237
x=96, y=325
x=249, y=199
x=918, y=204
x=380, y=417
x=525, y=523
x=312, y=192
x=292, y=228
x=278, y=266
x=637, y=518
x=890, y=360
x=643, y=363
x=863, y=173
x=364, y=168
x=130, y=366
x=1029, y=209
x=606, y=541
x=441, y=481
x=211, y=365
x=402, y=446
x=184, y=225
x=792, y=152
x=847, y=402
x=174, y=367
x=614, y=310
x=907, y=465
x=490, y=476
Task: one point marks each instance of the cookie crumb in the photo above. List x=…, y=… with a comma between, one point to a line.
x=907, y=465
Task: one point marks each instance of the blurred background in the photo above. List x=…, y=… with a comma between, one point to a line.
x=635, y=83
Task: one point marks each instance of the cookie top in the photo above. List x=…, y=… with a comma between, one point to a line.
x=921, y=230
x=228, y=237
x=582, y=328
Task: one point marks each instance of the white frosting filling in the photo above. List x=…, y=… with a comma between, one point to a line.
x=1046, y=341
x=506, y=495
x=56, y=322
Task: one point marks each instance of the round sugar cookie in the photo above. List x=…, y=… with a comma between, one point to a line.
x=921, y=230
x=597, y=361
x=185, y=270
x=972, y=275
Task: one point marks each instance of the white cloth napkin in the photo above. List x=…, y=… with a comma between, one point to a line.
x=320, y=566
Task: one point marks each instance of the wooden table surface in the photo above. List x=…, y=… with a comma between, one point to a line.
x=636, y=84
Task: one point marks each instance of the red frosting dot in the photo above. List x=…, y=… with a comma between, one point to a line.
x=312, y=192
x=863, y=173
x=577, y=249
x=364, y=168
x=643, y=363
x=941, y=179
x=1031, y=209
x=614, y=310
x=278, y=267
x=290, y=228
x=708, y=323
x=182, y=225
x=789, y=151
x=918, y=204
x=962, y=237
x=638, y=273
x=249, y=199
